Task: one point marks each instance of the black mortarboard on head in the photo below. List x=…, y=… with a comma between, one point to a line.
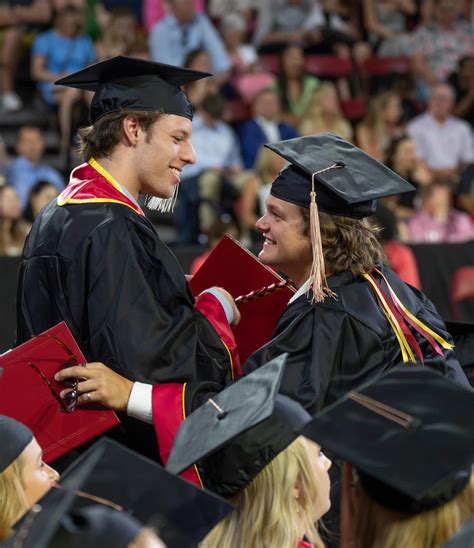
x=408, y=433
x=240, y=430
x=128, y=83
x=329, y=174
x=14, y=437
x=150, y=494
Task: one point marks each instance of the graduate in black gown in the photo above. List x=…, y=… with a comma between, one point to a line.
x=95, y=261
x=352, y=317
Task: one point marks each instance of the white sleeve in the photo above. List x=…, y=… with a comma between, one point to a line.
x=139, y=404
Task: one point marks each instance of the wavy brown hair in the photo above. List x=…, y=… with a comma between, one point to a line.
x=349, y=245
x=100, y=139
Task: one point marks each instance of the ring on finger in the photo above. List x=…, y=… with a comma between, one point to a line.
x=88, y=396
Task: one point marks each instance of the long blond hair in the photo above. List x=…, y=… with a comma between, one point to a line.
x=12, y=497
x=267, y=513
x=374, y=525
x=312, y=119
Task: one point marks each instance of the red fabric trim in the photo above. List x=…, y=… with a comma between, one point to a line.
x=86, y=183
x=304, y=544
x=168, y=413
x=212, y=309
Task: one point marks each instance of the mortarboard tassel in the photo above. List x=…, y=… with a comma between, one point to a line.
x=318, y=270
x=163, y=205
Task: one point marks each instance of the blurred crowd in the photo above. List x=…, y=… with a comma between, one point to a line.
x=281, y=68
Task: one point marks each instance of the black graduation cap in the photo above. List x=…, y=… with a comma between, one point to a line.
x=14, y=437
x=238, y=431
x=128, y=83
x=38, y=527
x=409, y=434
x=464, y=538
x=182, y=513
x=348, y=181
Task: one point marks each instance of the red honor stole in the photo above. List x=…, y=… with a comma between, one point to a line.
x=91, y=183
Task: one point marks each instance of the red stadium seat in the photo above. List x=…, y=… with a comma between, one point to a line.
x=330, y=66
x=236, y=111
x=354, y=109
x=462, y=288
x=381, y=66
x=270, y=62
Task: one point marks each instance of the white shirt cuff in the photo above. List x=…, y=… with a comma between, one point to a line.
x=229, y=313
x=139, y=404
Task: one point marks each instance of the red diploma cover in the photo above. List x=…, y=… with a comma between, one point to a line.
x=26, y=396
x=233, y=267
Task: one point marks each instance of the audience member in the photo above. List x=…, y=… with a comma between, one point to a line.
x=438, y=47
x=13, y=230
x=323, y=114
x=15, y=16
x=184, y=30
x=255, y=193
x=56, y=53
x=28, y=168
x=265, y=126
x=218, y=9
x=443, y=141
x=386, y=23
x=463, y=84
x=217, y=165
x=436, y=220
x=294, y=86
x=403, y=159
x=119, y=35
x=41, y=193
x=381, y=124
x=198, y=59
x=243, y=55
x=154, y=10
x=465, y=191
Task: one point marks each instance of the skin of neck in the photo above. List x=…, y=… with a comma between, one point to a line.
x=120, y=166
x=299, y=276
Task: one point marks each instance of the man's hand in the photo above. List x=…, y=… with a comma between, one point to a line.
x=99, y=384
x=231, y=301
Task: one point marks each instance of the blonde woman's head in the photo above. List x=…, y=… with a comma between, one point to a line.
x=281, y=504
x=268, y=164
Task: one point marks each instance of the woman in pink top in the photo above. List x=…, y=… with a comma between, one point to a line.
x=437, y=220
x=154, y=10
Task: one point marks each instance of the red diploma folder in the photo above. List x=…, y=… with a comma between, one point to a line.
x=233, y=267
x=26, y=396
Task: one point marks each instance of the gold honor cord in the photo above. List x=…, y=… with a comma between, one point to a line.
x=390, y=413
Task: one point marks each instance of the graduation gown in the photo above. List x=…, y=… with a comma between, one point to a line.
x=95, y=261
x=339, y=343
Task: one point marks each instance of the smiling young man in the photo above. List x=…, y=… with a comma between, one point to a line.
x=95, y=261
x=351, y=317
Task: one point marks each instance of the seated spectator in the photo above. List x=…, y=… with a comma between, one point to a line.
x=218, y=9
x=294, y=86
x=463, y=84
x=443, y=141
x=324, y=114
x=403, y=159
x=436, y=220
x=265, y=126
x=198, y=59
x=155, y=10
x=217, y=169
x=386, y=22
x=40, y=195
x=243, y=56
x=13, y=230
x=255, y=193
x=381, y=124
x=438, y=47
x=465, y=191
x=28, y=169
x=184, y=30
x=401, y=258
x=15, y=16
x=56, y=53
x=119, y=35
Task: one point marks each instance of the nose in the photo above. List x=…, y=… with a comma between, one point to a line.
x=328, y=463
x=262, y=224
x=188, y=155
x=52, y=474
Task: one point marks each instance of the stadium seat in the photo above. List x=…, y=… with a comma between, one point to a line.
x=330, y=66
x=461, y=288
x=381, y=66
x=270, y=62
x=354, y=109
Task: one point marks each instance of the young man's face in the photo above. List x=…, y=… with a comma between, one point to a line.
x=162, y=155
x=286, y=247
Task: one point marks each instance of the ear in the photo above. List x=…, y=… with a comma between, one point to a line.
x=296, y=493
x=131, y=129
